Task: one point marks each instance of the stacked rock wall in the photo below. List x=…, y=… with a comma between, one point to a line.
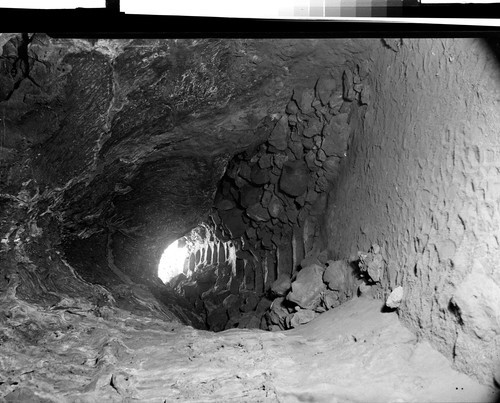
x=271, y=201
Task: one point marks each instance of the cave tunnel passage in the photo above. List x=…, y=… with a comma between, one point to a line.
x=330, y=215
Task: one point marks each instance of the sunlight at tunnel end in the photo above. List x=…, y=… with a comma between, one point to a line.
x=172, y=261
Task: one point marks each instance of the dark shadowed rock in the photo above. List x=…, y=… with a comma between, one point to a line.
x=259, y=176
x=250, y=195
x=263, y=305
x=233, y=221
x=294, y=178
x=250, y=302
x=347, y=82
x=258, y=213
x=217, y=319
x=266, y=161
x=225, y=204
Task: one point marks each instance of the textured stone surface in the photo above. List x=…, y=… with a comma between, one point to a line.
x=423, y=185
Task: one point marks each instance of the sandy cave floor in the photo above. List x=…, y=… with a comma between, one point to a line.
x=354, y=353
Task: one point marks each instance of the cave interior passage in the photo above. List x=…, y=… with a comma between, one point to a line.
x=249, y=220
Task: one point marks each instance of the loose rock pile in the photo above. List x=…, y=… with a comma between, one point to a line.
x=317, y=288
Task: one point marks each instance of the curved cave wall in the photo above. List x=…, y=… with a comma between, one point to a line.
x=313, y=170
x=422, y=182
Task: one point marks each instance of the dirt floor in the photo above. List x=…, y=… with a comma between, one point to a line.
x=354, y=353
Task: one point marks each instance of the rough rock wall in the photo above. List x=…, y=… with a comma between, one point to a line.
x=111, y=149
x=422, y=181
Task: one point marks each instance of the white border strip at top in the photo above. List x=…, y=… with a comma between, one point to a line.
x=52, y=4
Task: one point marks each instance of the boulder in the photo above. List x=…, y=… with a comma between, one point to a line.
x=279, y=160
x=259, y=176
x=313, y=128
x=372, y=263
x=307, y=143
x=292, y=213
x=347, y=85
x=263, y=305
x=282, y=285
x=258, y=213
x=266, y=161
x=325, y=86
x=365, y=95
x=322, y=184
x=251, y=301
x=330, y=299
x=336, y=136
x=302, y=317
x=335, y=103
x=307, y=287
x=278, y=314
x=250, y=195
x=265, y=237
x=294, y=178
x=304, y=98
x=292, y=108
x=297, y=149
x=337, y=274
x=245, y=171
x=320, y=155
x=275, y=207
x=331, y=166
x=217, y=319
x=310, y=160
x=233, y=221
x=267, y=196
x=279, y=135
x=225, y=204
x=249, y=321
x=395, y=298
x=232, y=304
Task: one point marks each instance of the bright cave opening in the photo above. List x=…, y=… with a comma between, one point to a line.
x=173, y=260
